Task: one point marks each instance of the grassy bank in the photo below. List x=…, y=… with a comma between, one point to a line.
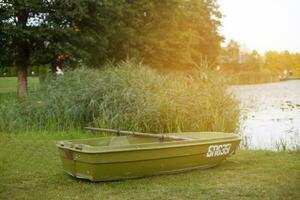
x=9, y=84
x=125, y=96
x=30, y=169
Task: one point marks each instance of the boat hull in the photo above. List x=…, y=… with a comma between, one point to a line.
x=105, y=163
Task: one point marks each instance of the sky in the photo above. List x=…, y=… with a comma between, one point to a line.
x=262, y=24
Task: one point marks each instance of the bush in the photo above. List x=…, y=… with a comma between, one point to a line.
x=124, y=96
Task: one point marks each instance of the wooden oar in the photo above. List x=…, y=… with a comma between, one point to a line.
x=162, y=137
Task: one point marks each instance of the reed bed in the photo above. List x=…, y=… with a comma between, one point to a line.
x=127, y=96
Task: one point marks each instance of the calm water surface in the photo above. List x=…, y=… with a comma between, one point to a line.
x=270, y=115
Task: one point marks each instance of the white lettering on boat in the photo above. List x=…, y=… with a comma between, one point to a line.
x=218, y=150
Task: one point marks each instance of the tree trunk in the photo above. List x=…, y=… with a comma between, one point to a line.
x=23, y=52
x=22, y=80
x=22, y=63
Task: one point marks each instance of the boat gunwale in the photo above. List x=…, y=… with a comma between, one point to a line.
x=147, y=146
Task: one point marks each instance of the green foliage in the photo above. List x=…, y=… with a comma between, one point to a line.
x=234, y=60
x=125, y=96
x=36, y=32
x=171, y=33
x=280, y=61
x=164, y=33
x=231, y=53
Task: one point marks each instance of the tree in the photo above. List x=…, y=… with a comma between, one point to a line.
x=163, y=33
x=43, y=31
x=230, y=57
x=252, y=61
x=168, y=33
x=233, y=52
x=280, y=61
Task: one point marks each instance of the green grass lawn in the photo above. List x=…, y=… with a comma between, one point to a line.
x=9, y=84
x=30, y=168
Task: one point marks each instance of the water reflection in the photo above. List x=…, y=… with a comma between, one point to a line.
x=270, y=115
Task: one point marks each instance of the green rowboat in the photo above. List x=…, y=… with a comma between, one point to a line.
x=122, y=157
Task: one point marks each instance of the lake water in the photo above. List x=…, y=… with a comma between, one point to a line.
x=270, y=116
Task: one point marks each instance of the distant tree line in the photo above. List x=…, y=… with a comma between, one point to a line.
x=283, y=61
x=162, y=33
x=234, y=60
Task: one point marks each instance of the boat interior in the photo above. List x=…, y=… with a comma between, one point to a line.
x=138, y=140
x=116, y=141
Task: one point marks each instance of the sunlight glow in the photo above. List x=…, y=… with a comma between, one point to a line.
x=262, y=24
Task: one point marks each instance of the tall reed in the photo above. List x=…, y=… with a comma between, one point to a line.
x=125, y=96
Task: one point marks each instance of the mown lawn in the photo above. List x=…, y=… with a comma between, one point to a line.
x=9, y=84
x=30, y=169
